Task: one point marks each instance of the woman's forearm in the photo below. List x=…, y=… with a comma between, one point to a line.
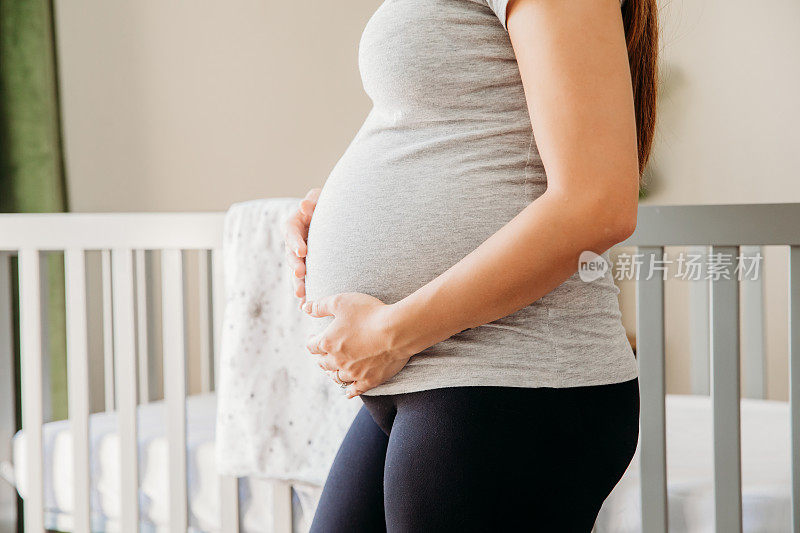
x=531, y=255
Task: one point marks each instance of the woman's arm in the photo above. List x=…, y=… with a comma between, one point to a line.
x=574, y=66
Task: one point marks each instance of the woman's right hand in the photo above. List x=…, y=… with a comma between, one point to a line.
x=295, y=234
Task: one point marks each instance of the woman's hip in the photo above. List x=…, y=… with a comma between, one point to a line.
x=545, y=456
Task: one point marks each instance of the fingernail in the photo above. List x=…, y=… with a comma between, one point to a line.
x=307, y=307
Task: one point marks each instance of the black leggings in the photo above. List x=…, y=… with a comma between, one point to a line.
x=481, y=459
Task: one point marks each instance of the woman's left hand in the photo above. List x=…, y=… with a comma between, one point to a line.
x=360, y=341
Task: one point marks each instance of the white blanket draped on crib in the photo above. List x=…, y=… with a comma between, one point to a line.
x=278, y=415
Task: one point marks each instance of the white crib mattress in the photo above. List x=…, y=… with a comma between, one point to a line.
x=765, y=471
x=203, y=481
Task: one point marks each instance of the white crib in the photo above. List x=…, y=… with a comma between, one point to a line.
x=126, y=244
x=122, y=240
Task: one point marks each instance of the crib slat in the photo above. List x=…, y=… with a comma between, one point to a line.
x=281, y=507
x=204, y=312
x=229, y=485
x=217, y=303
x=31, y=374
x=175, y=383
x=699, y=326
x=44, y=292
x=108, y=331
x=752, y=305
x=794, y=379
x=229, y=504
x=125, y=371
x=141, y=326
x=725, y=383
x=78, y=384
x=650, y=356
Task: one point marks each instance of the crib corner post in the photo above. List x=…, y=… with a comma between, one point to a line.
x=794, y=379
x=8, y=419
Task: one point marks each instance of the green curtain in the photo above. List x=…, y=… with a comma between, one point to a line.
x=31, y=161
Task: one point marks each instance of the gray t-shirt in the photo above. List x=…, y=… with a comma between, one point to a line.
x=445, y=158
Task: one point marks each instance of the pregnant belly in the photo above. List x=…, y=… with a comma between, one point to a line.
x=392, y=217
x=369, y=241
x=389, y=240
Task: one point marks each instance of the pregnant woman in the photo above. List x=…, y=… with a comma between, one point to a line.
x=499, y=391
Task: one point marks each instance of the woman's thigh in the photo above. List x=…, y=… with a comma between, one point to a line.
x=497, y=458
x=352, y=499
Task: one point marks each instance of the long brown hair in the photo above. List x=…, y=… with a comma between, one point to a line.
x=639, y=18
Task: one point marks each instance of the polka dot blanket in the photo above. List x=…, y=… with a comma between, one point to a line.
x=278, y=415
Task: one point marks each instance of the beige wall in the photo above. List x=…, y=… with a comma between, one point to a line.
x=193, y=106
x=729, y=109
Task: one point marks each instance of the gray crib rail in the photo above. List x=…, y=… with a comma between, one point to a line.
x=724, y=228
